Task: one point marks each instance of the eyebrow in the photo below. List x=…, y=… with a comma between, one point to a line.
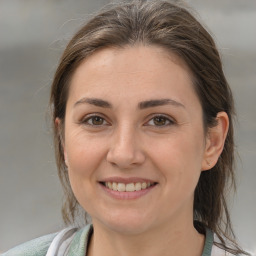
x=159, y=102
x=142, y=105
x=95, y=102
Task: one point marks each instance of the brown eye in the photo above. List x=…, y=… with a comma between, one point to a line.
x=95, y=121
x=160, y=121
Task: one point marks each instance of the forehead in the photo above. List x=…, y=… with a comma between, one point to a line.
x=135, y=72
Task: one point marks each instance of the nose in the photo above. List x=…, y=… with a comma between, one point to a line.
x=125, y=151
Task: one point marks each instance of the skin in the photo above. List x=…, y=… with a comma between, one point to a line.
x=125, y=141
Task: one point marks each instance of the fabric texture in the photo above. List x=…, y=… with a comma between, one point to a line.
x=61, y=243
x=74, y=242
x=36, y=247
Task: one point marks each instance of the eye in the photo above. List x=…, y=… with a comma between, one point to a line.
x=94, y=121
x=160, y=120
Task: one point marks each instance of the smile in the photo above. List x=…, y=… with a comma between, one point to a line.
x=130, y=187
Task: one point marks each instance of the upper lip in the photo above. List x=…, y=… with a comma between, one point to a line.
x=127, y=180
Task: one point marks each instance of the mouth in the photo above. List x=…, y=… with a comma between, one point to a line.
x=128, y=187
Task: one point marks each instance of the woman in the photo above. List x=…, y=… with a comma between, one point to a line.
x=143, y=131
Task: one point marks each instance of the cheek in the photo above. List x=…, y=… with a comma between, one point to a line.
x=84, y=158
x=83, y=152
x=179, y=158
x=85, y=155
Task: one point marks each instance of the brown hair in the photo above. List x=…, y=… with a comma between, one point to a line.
x=172, y=27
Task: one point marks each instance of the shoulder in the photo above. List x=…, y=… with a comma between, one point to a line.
x=216, y=251
x=218, y=248
x=69, y=240
x=211, y=248
x=35, y=247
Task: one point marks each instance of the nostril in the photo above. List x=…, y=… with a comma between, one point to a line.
x=125, y=157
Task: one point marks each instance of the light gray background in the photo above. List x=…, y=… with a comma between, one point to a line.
x=33, y=34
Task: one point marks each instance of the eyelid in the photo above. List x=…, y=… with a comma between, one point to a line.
x=84, y=120
x=171, y=120
x=87, y=117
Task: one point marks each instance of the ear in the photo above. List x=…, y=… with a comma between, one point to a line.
x=59, y=127
x=215, y=140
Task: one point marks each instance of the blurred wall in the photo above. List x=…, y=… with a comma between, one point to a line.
x=33, y=34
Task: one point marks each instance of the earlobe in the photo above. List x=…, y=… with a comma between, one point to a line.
x=215, y=141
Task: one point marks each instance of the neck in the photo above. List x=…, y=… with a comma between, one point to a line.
x=178, y=240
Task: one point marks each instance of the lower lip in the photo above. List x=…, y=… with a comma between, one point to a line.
x=127, y=195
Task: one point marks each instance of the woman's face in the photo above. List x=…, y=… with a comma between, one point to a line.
x=134, y=139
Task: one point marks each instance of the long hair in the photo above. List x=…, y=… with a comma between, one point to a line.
x=172, y=27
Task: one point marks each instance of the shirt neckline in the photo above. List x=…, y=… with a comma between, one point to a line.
x=81, y=241
x=208, y=243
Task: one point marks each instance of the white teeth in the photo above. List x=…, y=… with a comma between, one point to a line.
x=138, y=186
x=130, y=187
x=109, y=185
x=114, y=186
x=121, y=187
x=145, y=185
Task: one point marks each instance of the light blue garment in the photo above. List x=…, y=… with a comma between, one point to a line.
x=77, y=246
x=36, y=247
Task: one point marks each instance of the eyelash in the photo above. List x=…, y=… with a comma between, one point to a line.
x=164, y=118
x=88, y=121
